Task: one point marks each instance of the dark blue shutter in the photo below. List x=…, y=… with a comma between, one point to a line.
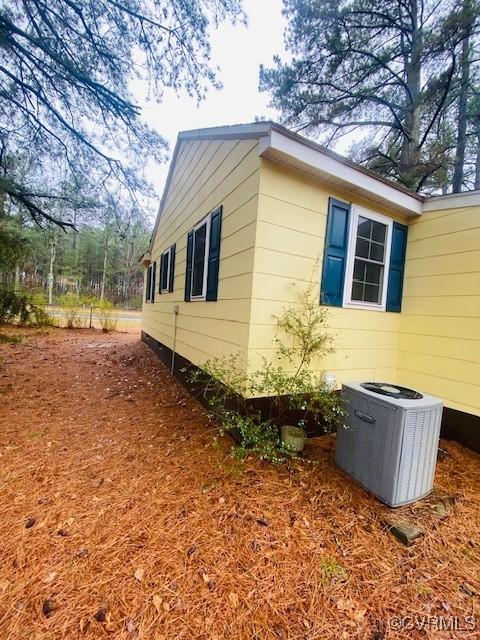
x=335, y=254
x=188, y=269
x=162, y=267
x=172, y=267
x=154, y=275
x=214, y=254
x=148, y=283
x=397, y=267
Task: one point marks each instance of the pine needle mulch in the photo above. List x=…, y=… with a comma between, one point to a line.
x=119, y=520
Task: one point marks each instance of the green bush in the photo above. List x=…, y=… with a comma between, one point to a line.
x=302, y=336
x=72, y=304
x=22, y=307
x=107, y=316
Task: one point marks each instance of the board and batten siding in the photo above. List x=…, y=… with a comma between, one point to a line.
x=440, y=319
x=208, y=173
x=290, y=237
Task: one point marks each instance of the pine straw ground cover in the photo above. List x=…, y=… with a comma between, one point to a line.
x=119, y=520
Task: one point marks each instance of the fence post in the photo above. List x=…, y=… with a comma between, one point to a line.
x=91, y=312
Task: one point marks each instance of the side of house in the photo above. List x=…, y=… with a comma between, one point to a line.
x=253, y=213
x=212, y=191
x=290, y=247
x=439, y=349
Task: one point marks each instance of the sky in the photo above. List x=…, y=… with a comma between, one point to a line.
x=238, y=51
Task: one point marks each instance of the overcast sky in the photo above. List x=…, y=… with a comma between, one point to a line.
x=238, y=51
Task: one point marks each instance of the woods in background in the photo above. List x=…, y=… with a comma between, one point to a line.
x=399, y=78
x=100, y=262
x=74, y=148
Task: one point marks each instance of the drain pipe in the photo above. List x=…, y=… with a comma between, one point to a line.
x=176, y=309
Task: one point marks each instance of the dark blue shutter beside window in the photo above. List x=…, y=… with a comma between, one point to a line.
x=214, y=254
x=171, y=274
x=154, y=276
x=335, y=254
x=160, y=278
x=148, y=283
x=397, y=267
x=188, y=271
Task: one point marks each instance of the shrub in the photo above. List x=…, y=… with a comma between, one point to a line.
x=302, y=336
x=72, y=304
x=22, y=307
x=106, y=315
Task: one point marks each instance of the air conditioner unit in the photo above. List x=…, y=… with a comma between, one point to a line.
x=390, y=441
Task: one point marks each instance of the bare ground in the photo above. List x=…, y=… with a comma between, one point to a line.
x=119, y=520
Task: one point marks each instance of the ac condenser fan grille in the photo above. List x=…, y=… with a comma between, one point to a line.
x=392, y=390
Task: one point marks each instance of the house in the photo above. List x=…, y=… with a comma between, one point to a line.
x=250, y=209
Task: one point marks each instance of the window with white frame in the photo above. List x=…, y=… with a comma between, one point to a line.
x=201, y=239
x=165, y=266
x=367, y=259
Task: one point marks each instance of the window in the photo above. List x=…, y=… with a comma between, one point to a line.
x=164, y=271
x=363, y=260
x=203, y=258
x=201, y=239
x=367, y=259
x=150, y=283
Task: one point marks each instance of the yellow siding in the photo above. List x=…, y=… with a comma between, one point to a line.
x=273, y=231
x=440, y=320
x=292, y=218
x=207, y=174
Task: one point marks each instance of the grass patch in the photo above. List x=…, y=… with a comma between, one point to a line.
x=13, y=339
x=332, y=571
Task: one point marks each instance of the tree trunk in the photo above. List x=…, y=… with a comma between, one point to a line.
x=16, y=282
x=104, y=270
x=477, y=164
x=53, y=250
x=410, y=153
x=457, y=181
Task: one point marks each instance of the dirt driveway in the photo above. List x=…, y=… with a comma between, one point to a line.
x=119, y=520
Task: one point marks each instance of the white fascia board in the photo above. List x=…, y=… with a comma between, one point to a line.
x=452, y=201
x=349, y=175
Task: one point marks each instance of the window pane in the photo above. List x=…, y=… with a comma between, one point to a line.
x=357, y=291
x=373, y=273
x=364, y=228
x=362, y=248
x=376, y=252
x=359, y=269
x=199, y=241
x=378, y=232
x=372, y=293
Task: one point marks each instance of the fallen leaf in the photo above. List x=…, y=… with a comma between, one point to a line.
x=84, y=624
x=191, y=550
x=101, y=614
x=50, y=577
x=233, y=597
x=130, y=626
x=139, y=573
x=48, y=607
x=30, y=522
x=206, y=577
x=157, y=602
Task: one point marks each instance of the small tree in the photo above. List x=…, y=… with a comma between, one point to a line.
x=302, y=337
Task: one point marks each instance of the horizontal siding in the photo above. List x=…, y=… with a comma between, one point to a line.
x=440, y=328
x=209, y=174
x=292, y=217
